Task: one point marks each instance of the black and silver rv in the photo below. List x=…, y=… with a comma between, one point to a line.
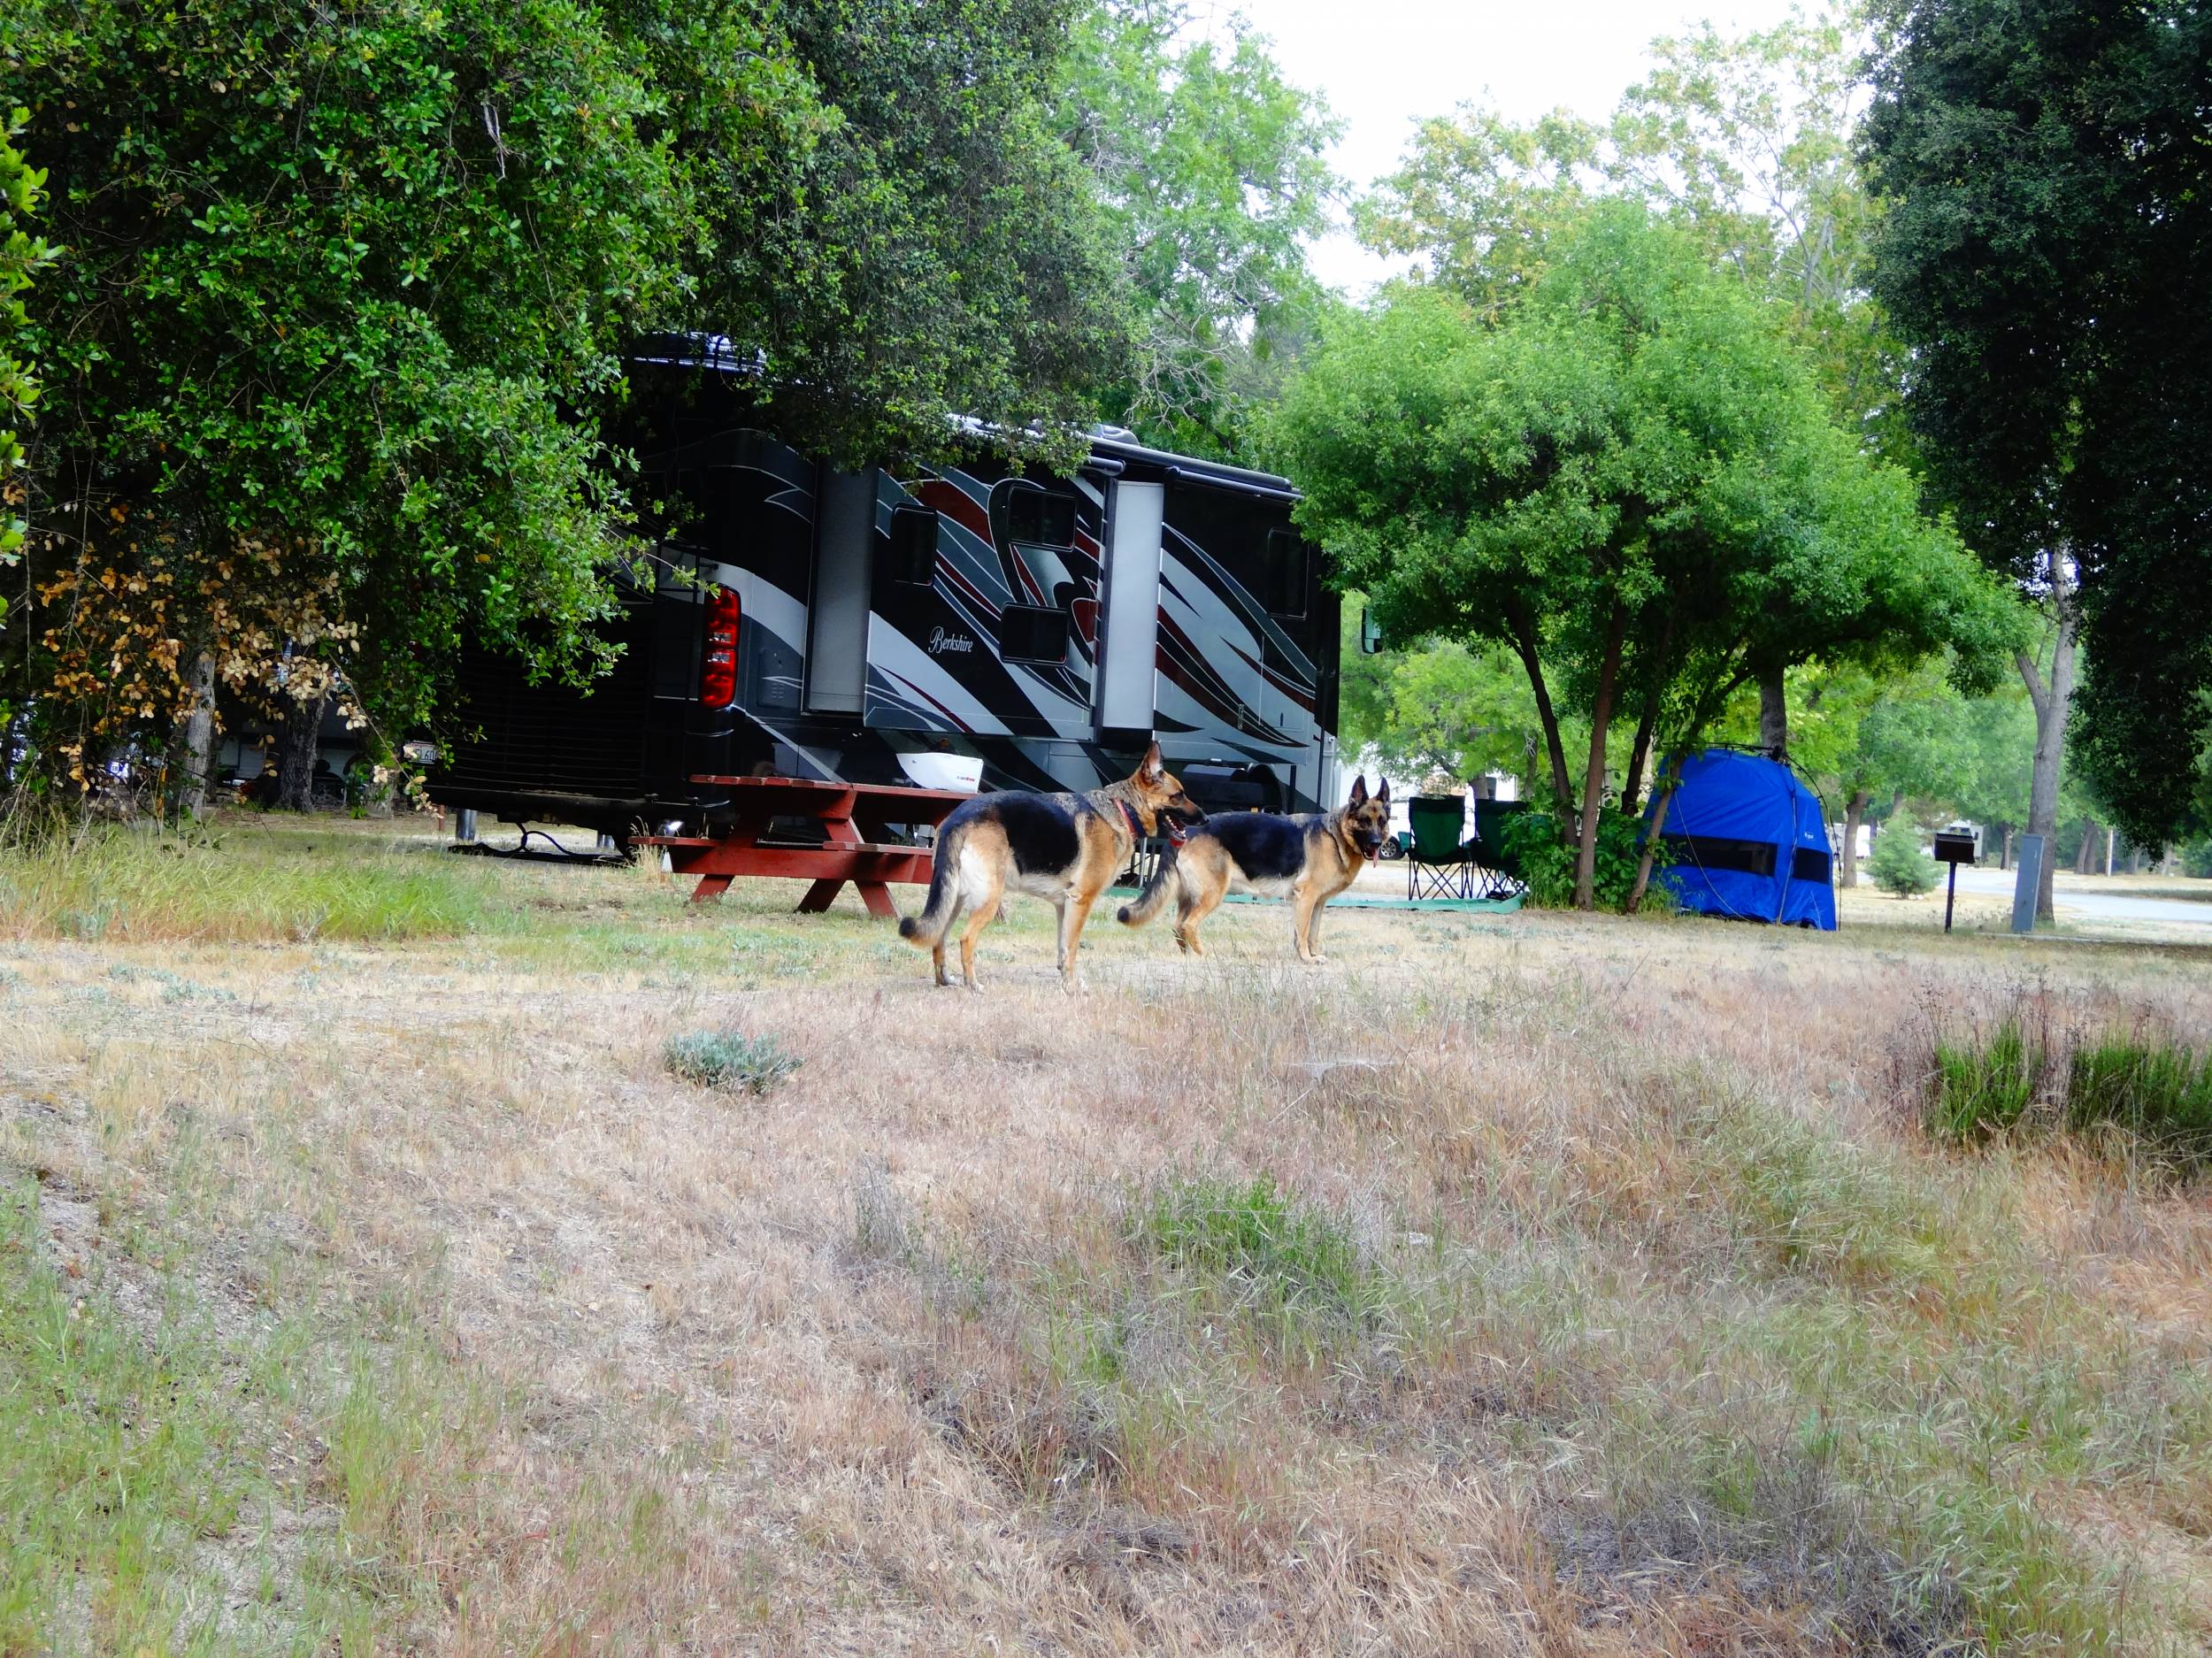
x=950, y=626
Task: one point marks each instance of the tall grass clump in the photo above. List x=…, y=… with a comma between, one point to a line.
x=2159, y=1093
x=2033, y=1071
x=1985, y=1085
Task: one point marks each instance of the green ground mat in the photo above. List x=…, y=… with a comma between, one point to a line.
x=1369, y=900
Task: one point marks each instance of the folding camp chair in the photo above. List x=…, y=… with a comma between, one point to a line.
x=1497, y=873
x=1438, y=863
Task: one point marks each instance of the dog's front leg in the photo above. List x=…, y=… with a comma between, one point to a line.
x=1073, y=913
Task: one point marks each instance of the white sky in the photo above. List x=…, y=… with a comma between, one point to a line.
x=1384, y=65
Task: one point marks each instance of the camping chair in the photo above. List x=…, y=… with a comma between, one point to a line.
x=1438, y=862
x=1498, y=871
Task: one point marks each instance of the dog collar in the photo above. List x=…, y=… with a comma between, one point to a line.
x=1136, y=829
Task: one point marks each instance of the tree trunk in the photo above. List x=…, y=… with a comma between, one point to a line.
x=199, y=738
x=1854, y=814
x=2085, y=853
x=1774, y=714
x=1651, y=847
x=2007, y=863
x=1523, y=626
x=1648, y=723
x=1593, y=775
x=2052, y=699
x=295, y=755
x=1633, y=784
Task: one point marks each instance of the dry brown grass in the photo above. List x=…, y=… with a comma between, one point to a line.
x=1613, y=1307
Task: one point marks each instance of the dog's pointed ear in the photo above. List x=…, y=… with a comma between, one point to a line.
x=1383, y=794
x=1150, y=768
x=1359, y=790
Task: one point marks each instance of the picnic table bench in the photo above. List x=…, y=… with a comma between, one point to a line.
x=854, y=820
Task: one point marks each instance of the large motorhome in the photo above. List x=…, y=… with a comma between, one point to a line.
x=951, y=626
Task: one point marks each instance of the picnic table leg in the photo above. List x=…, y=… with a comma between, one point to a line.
x=876, y=896
x=821, y=895
x=709, y=888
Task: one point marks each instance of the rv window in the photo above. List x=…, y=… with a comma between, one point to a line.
x=1033, y=633
x=1289, y=572
x=914, y=545
x=1040, y=517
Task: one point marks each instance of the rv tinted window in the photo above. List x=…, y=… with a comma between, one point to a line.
x=1289, y=569
x=914, y=545
x=1040, y=517
x=1031, y=633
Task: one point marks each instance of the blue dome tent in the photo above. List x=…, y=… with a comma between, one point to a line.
x=1747, y=840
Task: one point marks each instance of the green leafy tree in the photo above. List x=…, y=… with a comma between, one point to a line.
x=1746, y=143
x=1627, y=478
x=329, y=361
x=1898, y=867
x=21, y=255
x=2048, y=254
x=1213, y=173
x=1440, y=712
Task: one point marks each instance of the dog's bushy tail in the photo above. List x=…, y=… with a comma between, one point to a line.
x=1154, y=896
x=926, y=931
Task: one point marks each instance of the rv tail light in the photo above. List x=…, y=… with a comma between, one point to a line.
x=717, y=671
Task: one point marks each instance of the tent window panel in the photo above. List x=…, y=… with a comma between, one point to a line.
x=1033, y=633
x=1810, y=865
x=1718, y=852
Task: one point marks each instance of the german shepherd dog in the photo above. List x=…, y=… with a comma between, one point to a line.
x=1308, y=859
x=1064, y=849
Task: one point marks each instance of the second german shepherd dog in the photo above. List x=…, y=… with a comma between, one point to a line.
x=1308, y=859
x=1064, y=849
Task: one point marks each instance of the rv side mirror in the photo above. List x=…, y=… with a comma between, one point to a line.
x=1369, y=634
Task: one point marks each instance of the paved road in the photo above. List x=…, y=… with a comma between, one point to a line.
x=2094, y=904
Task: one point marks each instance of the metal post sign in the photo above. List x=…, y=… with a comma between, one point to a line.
x=2023, y=892
x=1953, y=849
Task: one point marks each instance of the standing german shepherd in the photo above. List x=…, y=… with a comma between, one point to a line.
x=1062, y=849
x=1308, y=859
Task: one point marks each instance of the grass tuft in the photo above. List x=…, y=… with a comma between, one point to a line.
x=730, y=1059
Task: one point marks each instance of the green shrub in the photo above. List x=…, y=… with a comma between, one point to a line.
x=1898, y=867
x=727, y=1059
x=1547, y=863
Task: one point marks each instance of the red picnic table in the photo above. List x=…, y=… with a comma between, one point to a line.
x=855, y=819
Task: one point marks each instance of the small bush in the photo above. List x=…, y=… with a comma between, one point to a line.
x=1547, y=863
x=727, y=1059
x=1898, y=867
